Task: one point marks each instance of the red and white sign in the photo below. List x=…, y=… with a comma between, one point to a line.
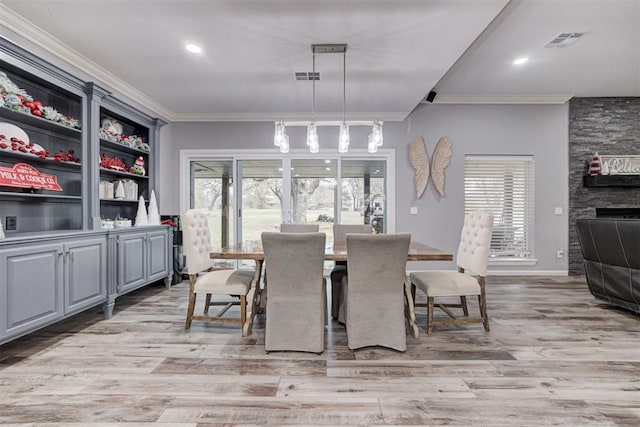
x=22, y=175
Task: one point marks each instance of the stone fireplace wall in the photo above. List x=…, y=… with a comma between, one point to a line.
x=610, y=126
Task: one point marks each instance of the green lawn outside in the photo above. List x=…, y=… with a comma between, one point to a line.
x=255, y=221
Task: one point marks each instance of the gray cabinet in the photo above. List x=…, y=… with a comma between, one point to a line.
x=31, y=292
x=86, y=274
x=159, y=244
x=132, y=261
x=138, y=257
x=43, y=282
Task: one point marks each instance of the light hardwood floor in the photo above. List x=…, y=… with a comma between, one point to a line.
x=554, y=356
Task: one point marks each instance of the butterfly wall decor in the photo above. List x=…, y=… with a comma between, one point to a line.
x=419, y=160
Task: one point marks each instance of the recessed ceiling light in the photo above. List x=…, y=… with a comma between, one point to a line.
x=520, y=61
x=193, y=48
x=327, y=161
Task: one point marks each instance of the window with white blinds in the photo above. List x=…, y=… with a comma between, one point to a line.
x=503, y=186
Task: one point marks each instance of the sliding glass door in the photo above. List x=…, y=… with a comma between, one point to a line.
x=246, y=195
x=260, y=195
x=364, y=193
x=313, y=193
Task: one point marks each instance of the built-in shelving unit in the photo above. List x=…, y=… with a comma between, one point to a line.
x=55, y=261
x=130, y=131
x=31, y=92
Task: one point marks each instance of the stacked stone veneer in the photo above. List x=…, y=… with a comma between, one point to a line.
x=610, y=126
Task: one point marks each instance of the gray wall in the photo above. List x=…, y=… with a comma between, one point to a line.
x=535, y=130
x=610, y=126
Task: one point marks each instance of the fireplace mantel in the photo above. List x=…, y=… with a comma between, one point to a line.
x=611, y=180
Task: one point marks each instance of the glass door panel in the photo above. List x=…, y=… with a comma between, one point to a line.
x=261, y=197
x=363, y=197
x=212, y=189
x=313, y=193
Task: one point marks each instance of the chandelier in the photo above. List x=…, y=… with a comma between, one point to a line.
x=281, y=139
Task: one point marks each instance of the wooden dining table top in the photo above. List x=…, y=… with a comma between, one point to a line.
x=252, y=250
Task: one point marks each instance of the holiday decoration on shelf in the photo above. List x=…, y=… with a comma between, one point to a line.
x=12, y=138
x=22, y=175
x=120, y=190
x=113, y=163
x=138, y=167
x=14, y=98
x=111, y=130
x=154, y=215
x=595, y=165
x=141, y=215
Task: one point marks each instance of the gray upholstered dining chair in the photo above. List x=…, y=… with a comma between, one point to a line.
x=296, y=301
x=472, y=258
x=299, y=228
x=374, y=290
x=204, y=278
x=340, y=268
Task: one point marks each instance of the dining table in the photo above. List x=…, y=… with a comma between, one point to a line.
x=256, y=297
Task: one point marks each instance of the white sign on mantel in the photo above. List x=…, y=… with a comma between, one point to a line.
x=620, y=165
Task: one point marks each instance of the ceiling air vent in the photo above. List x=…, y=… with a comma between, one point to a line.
x=564, y=39
x=307, y=75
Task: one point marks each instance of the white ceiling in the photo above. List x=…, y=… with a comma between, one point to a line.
x=398, y=50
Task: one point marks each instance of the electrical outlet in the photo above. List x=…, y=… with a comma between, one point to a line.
x=560, y=253
x=413, y=210
x=11, y=223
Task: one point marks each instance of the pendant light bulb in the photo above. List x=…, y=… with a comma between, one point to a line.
x=312, y=136
x=284, y=143
x=279, y=134
x=372, y=145
x=343, y=139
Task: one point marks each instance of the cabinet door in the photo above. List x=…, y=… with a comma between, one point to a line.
x=86, y=274
x=31, y=287
x=132, y=265
x=158, y=246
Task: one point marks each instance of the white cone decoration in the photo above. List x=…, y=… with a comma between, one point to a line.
x=154, y=215
x=141, y=216
x=120, y=190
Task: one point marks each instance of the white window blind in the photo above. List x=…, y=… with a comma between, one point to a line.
x=504, y=187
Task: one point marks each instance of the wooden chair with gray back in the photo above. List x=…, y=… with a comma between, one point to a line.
x=374, y=290
x=299, y=228
x=296, y=302
x=340, y=269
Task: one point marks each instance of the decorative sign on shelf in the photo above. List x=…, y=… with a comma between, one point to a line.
x=22, y=175
x=620, y=165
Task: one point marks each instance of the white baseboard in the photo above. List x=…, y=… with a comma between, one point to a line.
x=520, y=272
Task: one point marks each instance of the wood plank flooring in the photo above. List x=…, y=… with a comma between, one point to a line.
x=554, y=356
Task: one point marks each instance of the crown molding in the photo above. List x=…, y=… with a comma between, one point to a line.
x=287, y=117
x=501, y=99
x=44, y=40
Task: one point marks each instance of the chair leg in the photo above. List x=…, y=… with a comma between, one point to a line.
x=430, y=315
x=207, y=303
x=192, y=301
x=482, y=299
x=243, y=309
x=463, y=304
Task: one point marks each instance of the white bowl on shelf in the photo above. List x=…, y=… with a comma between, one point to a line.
x=10, y=131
